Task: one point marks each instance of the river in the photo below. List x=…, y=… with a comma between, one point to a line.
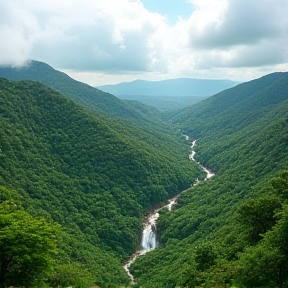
x=149, y=240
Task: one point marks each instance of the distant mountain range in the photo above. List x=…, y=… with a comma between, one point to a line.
x=170, y=88
x=173, y=94
x=168, y=94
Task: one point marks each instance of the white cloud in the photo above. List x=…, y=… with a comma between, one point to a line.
x=18, y=33
x=237, y=22
x=100, y=35
x=85, y=35
x=243, y=33
x=116, y=37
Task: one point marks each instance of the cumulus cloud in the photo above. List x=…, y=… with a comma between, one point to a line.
x=114, y=39
x=237, y=22
x=84, y=35
x=241, y=33
x=18, y=33
x=121, y=36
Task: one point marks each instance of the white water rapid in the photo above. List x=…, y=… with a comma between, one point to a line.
x=148, y=235
x=209, y=173
x=149, y=241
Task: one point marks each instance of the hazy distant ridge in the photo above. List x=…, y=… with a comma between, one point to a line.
x=170, y=87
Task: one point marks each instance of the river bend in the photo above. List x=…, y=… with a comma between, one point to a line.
x=149, y=240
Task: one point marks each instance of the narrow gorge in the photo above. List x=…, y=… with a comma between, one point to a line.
x=149, y=239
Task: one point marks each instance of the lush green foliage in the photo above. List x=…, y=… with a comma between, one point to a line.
x=226, y=230
x=95, y=175
x=82, y=93
x=235, y=109
x=86, y=95
x=27, y=245
x=265, y=263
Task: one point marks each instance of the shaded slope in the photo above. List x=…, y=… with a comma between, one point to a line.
x=83, y=94
x=93, y=174
x=164, y=104
x=235, y=108
x=200, y=240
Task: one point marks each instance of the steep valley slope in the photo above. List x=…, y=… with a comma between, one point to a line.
x=97, y=175
x=85, y=95
x=94, y=174
x=232, y=229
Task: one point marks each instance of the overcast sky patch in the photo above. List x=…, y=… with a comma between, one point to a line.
x=148, y=38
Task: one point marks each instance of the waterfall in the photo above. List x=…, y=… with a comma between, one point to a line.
x=149, y=241
x=148, y=235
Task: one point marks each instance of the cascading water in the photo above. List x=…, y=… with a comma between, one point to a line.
x=148, y=235
x=149, y=241
x=191, y=157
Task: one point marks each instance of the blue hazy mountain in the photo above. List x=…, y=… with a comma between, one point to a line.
x=170, y=87
x=168, y=94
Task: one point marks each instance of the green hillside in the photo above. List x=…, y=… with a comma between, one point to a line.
x=75, y=184
x=166, y=104
x=234, y=108
x=230, y=231
x=83, y=94
x=94, y=174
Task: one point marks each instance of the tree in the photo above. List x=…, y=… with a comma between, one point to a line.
x=27, y=245
x=266, y=263
x=280, y=185
x=70, y=274
x=205, y=256
x=257, y=215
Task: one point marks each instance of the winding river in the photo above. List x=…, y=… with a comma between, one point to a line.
x=149, y=240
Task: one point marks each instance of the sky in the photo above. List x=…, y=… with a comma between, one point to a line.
x=107, y=42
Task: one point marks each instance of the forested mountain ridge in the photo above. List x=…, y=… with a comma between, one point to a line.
x=96, y=175
x=230, y=231
x=83, y=94
x=234, y=108
x=93, y=174
x=59, y=81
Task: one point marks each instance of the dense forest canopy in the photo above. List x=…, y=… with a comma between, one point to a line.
x=235, y=108
x=85, y=95
x=224, y=232
x=93, y=174
x=90, y=177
